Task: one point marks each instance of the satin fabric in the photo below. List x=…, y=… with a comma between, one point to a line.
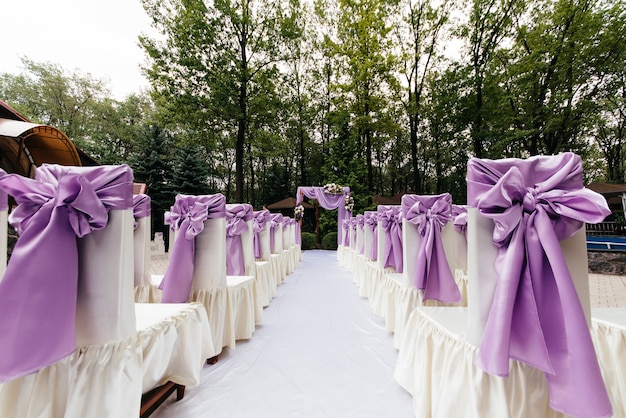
x=276, y=228
x=371, y=224
x=237, y=217
x=390, y=219
x=141, y=207
x=536, y=316
x=430, y=214
x=346, y=232
x=4, y=201
x=38, y=294
x=360, y=223
x=459, y=215
x=260, y=217
x=187, y=217
x=328, y=201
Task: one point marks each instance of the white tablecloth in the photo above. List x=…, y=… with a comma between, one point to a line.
x=107, y=380
x=436, y=365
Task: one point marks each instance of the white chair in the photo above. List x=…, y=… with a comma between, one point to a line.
x=528, y=302
x=94, y=346
x=240, y=272
x=276, y=247
x=264, y=271
x=196, y=271
x=145, y=291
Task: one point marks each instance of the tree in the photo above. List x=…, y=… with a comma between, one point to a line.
x=190, y=171
x=210, y=60
x=418, y=35
x=490, y=22
x=48, y=94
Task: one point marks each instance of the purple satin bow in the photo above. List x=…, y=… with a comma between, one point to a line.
x=237, y=217
x=276, y=220
x=431, y=214
x=141, y=207
x=371, y=221
x=187, y=216
x=346, y=232
x=39, y=289
x=390, y=218
x=536, y=316
x=260, y=217
x=360, y=222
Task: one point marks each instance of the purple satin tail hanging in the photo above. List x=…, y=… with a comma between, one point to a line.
x=433, y=275
x=39, y=289
x=536, y=316
x=390, y=218
x=346, y=232
x=276, y=220
x=360, y=223
x=260, y=217
x=459, y=215
x=237, y=217
x=187, y=217
x=371, y=224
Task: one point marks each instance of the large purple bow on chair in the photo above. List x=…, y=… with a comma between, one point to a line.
x=260, y=217
x=346, y=232
x=187, y=216
x=276, y=221
x=390, y=219
x=141, y=207
x=237, y=217
x=39, y=289
x=371, y=222
x=431, y=214
x=536, y=316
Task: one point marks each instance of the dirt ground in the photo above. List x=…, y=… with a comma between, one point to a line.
x=607, y=262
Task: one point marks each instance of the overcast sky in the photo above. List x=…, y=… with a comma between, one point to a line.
x=93, y=36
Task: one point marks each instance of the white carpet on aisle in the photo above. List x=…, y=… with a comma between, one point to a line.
x=320, y=352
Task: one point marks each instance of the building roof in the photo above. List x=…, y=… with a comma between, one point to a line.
x=608, y=189
x=25, y=145
x=287, y=203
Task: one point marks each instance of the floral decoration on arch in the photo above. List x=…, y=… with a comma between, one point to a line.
x=298, y=212
x=349, y=205
x=333, y=188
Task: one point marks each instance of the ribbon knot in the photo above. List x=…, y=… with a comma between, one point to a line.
x=536, y=316
x=430, y=214
x=530, y=200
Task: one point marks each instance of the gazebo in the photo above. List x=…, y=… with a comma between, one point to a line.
x=25, y=145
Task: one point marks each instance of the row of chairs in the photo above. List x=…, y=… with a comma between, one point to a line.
x=511, y=332
x=75, y=341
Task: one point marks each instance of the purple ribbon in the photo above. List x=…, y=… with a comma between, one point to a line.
x=237, y=217
x=276, y=220
x=39, y=289
x=431, y=214
x=141, y=207
x=327, y=201
x=260, y=218
x=346, y=232
x=187, y=216
x=371, y=221
x=4, y=201
x=536, y=316
x=360, y=222
x=459, y=215
x=390, y=218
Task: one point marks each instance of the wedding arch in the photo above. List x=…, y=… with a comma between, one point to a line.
x=329, y=197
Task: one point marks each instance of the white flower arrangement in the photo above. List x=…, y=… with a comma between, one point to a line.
x=298, y=212
x=333, y=188
x=349, y=204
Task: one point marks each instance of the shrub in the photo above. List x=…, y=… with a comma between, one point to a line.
x=329, y=242
x=308, y=241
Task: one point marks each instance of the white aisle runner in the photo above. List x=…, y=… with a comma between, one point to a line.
x=320, y=352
